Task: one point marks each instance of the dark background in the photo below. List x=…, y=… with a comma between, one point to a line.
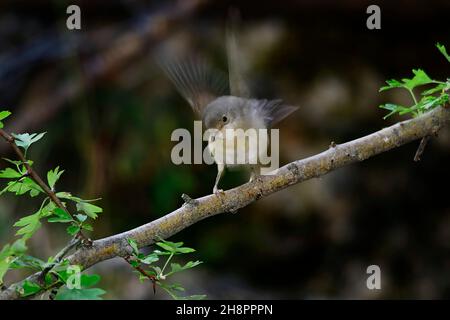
x=109, y=111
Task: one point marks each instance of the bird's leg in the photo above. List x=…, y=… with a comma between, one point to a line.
x=220, y=171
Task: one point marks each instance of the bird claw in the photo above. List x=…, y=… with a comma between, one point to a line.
x=218, y=191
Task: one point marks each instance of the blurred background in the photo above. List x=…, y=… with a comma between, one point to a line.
x=109, y=112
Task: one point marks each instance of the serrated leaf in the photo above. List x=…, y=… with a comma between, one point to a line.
x=90, y=209
x=441, y=49
x=29, y=225
x=53, y=176
x=420, y=78
x=10, y=173
x=25, y=140
x=23, y=186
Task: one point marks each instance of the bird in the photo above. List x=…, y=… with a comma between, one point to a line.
x=205, y=89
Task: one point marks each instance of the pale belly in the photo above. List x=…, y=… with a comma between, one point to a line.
x=239, y=147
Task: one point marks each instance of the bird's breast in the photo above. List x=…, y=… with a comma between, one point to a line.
x=238, y=147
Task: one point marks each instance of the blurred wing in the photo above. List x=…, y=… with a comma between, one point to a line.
x=195, y=81
x=238, y=86
x=273, y=111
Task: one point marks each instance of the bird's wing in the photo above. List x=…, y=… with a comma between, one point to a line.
x=272, y=111
x=236, y=65
x=196, y=81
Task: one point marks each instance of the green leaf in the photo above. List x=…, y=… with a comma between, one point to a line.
x=30, y=288
x=174, y=286
x=10, y=173
x=391, y=85
x=166, y=247
x=184, y=250
x=175, y=267
x=161, y=253
x=5, y=261
x=81, y=217
x=61, y=216
x=87, y=227
x=437, y=88
x=170, y=289
x=441, y=49
x=48, y=209
x=23, y=186
x=25, y=140
x=19, y=247
x=133, y=245
x=394, y=108
x=174, y=247
x=53, y=176
x=73, y=230
x=150, y=258
x=69, y=196
x=9, y=254
x=79, y=294
x=420, y=78
x=26, y=261
x=29, y=225
x=89, y=280
x=3, y=115
x=89, y=209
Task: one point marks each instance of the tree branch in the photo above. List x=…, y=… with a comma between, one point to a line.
x=338, y=155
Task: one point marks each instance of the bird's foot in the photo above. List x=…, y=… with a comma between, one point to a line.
x=218, y=192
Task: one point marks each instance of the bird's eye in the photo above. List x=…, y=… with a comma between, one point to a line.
x=224, y=119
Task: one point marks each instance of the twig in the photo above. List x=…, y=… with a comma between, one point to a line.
x=421, y=148
x=36, y=178
x=292, y=173
x=143, y=272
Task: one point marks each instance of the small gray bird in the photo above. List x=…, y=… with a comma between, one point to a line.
x=205, y=91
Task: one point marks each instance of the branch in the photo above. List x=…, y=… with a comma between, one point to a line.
x=338, y=155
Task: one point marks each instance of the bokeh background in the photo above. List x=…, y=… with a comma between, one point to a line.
x=109, y=112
